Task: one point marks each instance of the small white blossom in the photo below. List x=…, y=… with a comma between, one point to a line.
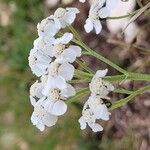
x=93, y=109
x=64, y=17
x=98, y=107
x=40, y=118
x=88, y=118
x=54, y=103
x=58, y=74
x=38, y=62
x=44, y=44
x=65, y=53
x=99, y=9
x=47, y=27
x=99, y=85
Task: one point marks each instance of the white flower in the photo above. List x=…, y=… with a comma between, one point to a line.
x=93, y=109
x=40, y=118
x=100, y=86
x=38, y=62
x=58, y=74
x=54, y=103
x=97, y=11
x=65, y=53
x=88, y=117
x=64, y=17
x=44, y=44
x=47, y=27
x=96, y=104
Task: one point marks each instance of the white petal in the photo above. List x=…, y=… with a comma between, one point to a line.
x=40, y=126
x=96, y=127
x=97, y=26
x=71, y=15
x=82, y=123
x=101, y=112
x=88, y=26
x=57, y=23
x=32, y=100
x=77, y=50
x=101, y=73
x=54, y=82
x=69, y=91
x=111, y=4
x=60, y=82
x=59, y=108
x=48, y=105
x=103, y=12
x=66, y=71
x=65, y=39
x=50, y=120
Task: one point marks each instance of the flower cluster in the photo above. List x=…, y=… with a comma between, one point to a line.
x=50, y=60
x=95, y=107
x=99, y=9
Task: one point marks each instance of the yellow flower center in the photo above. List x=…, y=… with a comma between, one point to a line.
x=59, y=48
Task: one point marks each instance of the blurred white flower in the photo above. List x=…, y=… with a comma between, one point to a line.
x=99, y=85
x=66, y=2
x=38, y=62
x=47, y=27
x=40, y=118
x=115, y=26
x=64, y=17
x=99, y=9
x=54, y=103
x=58, y=74
x=63, y=52
x=51, y=3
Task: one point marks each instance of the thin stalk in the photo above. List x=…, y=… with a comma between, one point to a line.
x=124, y=16
x=124, y=101
x=80, y=93
x=105, y=60
x=122, y=91
x=81, y=64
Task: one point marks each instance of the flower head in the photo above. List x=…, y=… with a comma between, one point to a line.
x=64, y=17
x=58, y=74
x=99, y=85
x=89, y=119
x=40, y=118
x=47, y=27
x=54, y=103
x=65, y=52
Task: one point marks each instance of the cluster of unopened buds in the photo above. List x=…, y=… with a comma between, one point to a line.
x=51, y=60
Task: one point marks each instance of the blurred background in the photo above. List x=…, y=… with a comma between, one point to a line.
x=129, y=126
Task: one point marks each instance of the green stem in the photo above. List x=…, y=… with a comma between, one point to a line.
x=122, y=91
x=81, y=64
x=124, y=101
x=105, y=60
x=80, y=93
x=75, y=33
x=124, y=16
